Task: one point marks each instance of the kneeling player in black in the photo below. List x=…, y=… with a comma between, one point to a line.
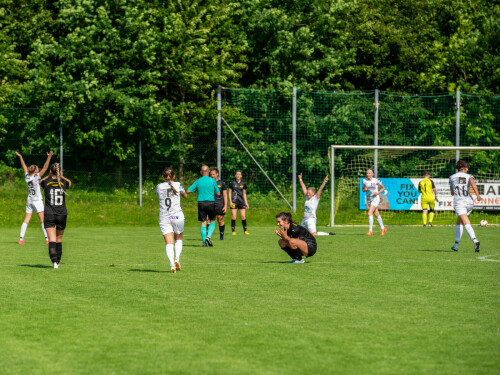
x=295, y=240
x=54, y=187
x=220, y=201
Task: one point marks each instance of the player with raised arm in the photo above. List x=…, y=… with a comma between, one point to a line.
x=55, y=187
x=220, y=201
x=311, y=205
x=34, y=202
x=238, y=201
x=429, y=197
x=171, y=216
x=295, y=240
x=460, y=184
x=373, y=188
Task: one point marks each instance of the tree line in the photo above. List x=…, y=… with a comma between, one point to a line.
x=116, y=71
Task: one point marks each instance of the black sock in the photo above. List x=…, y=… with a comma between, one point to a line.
x=59, y=251
x=293, y=253
x=233, y=225
x=244, y=222
x=221, y=229
x=53, y=252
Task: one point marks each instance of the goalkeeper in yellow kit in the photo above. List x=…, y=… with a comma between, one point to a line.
x=428, y=199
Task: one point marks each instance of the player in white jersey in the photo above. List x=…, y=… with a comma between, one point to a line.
x=373, y=188
x=171, y=216
x=310, y=207
x=34, y=202
x=460, y=184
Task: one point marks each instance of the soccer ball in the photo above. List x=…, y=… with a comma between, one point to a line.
x=483, y=223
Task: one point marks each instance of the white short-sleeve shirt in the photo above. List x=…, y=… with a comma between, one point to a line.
x=460, y=183
x=170, y=203
x=310, y=207
x=33, y=184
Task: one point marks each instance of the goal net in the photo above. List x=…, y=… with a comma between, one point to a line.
x=400, y=168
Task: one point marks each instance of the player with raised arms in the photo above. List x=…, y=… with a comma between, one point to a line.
x=373, y=188
x=56, y=214
x=428, y=199
x=171, y=216
x=295, y=240
x=238, y=201
x=460, y=184
x=310, y=207
x=220, y=201
x=34, y=202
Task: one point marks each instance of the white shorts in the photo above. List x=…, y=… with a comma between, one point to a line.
x=372, y=201
x=309, y=223
x=173, y=223
x=463, y=209
x=36, y=206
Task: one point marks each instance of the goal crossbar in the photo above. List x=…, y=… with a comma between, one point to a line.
x=375, y=148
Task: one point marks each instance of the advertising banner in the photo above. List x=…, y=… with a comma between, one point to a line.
x=403, y=194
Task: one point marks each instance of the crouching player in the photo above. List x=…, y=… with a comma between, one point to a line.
x=295, y=240
x=171, y=216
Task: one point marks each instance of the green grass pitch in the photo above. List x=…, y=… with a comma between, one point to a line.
x=399, y=304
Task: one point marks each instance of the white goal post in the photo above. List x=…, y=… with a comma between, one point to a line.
x=376, y=148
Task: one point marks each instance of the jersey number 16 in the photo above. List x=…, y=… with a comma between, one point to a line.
x=56, y=197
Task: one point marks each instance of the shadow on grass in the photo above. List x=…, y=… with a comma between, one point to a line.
x=35, y=265
x=438, y=251
x=150, y=271
x=278, y=262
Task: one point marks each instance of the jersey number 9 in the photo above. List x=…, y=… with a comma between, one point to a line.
x=168, y=203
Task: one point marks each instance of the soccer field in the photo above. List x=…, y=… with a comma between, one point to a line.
x=402, y=303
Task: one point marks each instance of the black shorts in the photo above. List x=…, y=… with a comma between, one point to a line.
x=311, y=248
x=240, y=205
x=58, y=221
x=206, y=210
x=218, y=210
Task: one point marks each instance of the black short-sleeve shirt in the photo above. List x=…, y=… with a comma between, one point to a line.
x=298, y=231
x=55, y=198
x=237, y=188
x=219, y=199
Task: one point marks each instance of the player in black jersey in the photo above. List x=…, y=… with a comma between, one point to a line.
x=295, y=240
x=54, y=187
x=238, y=201
x=220, y=201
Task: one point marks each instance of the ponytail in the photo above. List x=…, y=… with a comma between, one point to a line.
x=168, y=175
x=286, y=216
x=55, y=170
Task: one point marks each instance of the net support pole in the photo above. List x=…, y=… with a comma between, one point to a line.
x=332, y=187
x=375, y=135
x=219, y=128
x=294, y=150
x=457, y=128
x=140, y=173
x=61, y=142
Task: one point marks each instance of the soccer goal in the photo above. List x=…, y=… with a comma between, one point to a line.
x=400, y=168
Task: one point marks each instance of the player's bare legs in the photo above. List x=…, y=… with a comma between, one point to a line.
x=463, y=221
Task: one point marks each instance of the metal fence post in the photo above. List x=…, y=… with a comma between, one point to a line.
x=61, y=143
x=140, y=173
x=332, y=188
x=375, y=136
x=294, y=150
x=219, y=129
x=457, y=127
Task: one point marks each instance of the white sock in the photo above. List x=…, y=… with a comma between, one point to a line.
x=380, y=222
x=44, y=233
x=323, y=234
x=178, y=249
x=370, y=222
x=23, y=230
x=458, y=233
x=470, y=232
x=170, y=254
